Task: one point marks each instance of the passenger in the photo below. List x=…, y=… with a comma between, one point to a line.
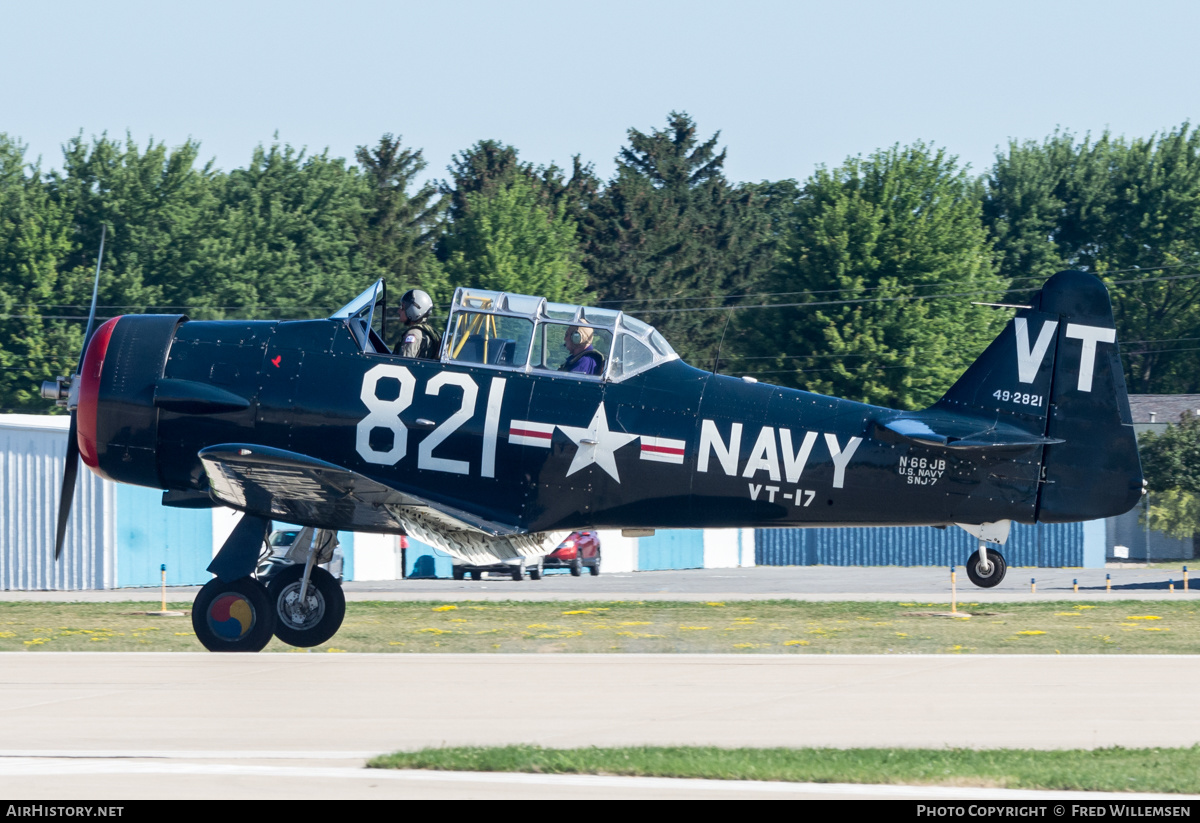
x=583, y=358
x=420, y=338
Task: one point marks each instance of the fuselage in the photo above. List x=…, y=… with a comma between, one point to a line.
x=672, y=446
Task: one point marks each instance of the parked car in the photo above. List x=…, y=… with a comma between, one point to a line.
x=279, y=543
x=516, y=568
x=580, y=549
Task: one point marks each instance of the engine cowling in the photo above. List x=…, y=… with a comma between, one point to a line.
x=117, y=419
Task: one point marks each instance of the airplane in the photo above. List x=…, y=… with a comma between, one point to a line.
x=492, y=453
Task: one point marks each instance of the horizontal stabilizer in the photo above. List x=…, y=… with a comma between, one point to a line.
x=932, y=429
x=303, y=490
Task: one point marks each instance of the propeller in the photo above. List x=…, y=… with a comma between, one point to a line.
x=65, y=392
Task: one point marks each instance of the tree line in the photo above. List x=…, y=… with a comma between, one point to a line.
x=857, y=281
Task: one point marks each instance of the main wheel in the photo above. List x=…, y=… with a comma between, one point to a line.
x=233, y=616
x=995, y=571
x=535, y=573
x=458, y=572
x=316, y=619
x=576, y=567
x=595, y=570
x=476, y=575
x=517, y=574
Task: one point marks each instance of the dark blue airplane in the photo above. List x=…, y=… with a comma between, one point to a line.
x=492, y=453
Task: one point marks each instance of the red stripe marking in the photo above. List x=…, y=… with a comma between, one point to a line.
x=529, y=433
x=662, y=449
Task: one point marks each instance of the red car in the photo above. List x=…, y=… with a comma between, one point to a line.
x=578, y=550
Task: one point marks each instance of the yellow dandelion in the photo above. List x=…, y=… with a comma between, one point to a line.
x=713, y=603
x=636, y=623
x=694, y=628
x=580, y=611
x=336, y=651
x=447, y=608
x=1030, y=632
x=1143, y=617
x=795, y=642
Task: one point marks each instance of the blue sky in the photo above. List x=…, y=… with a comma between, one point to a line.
x=789, y=85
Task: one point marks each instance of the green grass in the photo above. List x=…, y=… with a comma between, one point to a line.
x=787, y=627
x=1115, y=770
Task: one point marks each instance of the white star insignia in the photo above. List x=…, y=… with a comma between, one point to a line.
x=596, y=444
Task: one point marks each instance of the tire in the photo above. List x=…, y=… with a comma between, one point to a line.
x=576, y=567
x=476, y=575
x=995, y=574
x=535, y=573
x=233, y=616
x=595, y=570
x=458, y=572
x=325, y=612
x=518, y=573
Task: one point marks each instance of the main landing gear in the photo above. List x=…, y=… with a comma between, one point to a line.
x=303, y=606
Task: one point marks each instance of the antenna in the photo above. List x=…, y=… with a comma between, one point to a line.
x=717, y=357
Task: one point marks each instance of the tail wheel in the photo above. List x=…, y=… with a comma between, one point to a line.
x=995, y=572
x=317, y=618
x=595, y=570
x=233, y=616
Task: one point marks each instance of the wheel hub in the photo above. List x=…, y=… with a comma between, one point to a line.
x=301, y=614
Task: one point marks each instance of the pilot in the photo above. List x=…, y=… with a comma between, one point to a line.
x=583, y=358
x=420, y=338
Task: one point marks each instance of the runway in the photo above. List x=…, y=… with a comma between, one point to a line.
x=161, y=725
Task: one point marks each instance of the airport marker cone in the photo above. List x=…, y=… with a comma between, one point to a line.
x=1075, y=584
x=1108, y=582
x=953, y=591
x=1032, y=586
x=1185, y=585
x=164, y=587
x=1171, y=585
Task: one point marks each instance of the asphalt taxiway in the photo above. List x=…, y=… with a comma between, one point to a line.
x=125, y=725
x=878, y=583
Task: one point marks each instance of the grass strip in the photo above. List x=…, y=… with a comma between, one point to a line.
x=634, y=626
x=1163, y=770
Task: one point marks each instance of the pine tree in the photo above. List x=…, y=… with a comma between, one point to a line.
x=669, y=235
x=400, y=229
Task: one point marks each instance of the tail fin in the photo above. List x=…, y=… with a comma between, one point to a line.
x=1055, y=371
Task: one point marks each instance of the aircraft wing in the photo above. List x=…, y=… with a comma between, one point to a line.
x=284, y=485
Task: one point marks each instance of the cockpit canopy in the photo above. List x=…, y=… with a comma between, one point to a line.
x=518, y=332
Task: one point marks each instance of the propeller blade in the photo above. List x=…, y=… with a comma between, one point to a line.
x=70, y=471
x=71, y=465
x=87, y=335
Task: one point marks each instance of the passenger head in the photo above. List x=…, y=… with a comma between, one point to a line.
x=577, y=338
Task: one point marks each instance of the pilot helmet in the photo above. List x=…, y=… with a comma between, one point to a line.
x=415, y=305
